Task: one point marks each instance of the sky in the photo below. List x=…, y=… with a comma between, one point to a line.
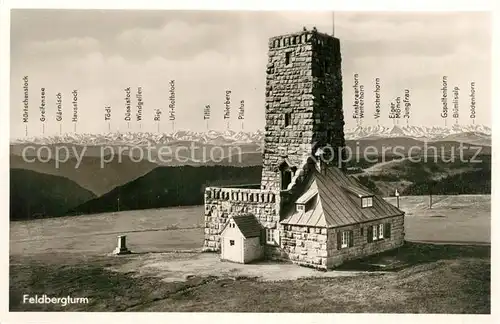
x=100, y=53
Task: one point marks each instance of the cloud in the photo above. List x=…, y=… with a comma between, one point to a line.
x=175, y=40
x=176, y=35
x=100, y=53
x=58, y=48
x=436, y=34
x=49, y=24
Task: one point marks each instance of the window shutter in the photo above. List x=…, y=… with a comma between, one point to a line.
x=351, y=239
x=369, y=234
x=387, y=230
x=339, y=240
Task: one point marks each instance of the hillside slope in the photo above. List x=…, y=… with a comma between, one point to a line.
x=36, y=195
x=410, y=178
x=169, y=186
x=89, y=174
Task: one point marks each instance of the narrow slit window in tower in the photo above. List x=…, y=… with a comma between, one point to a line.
x=329, y=135
x=288, y=119
x=287, y=57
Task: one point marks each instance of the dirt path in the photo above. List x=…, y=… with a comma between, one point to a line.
x=173, y=267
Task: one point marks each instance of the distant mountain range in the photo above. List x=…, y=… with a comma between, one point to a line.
x=148, y=138
x=477, y=134
x=434, y=133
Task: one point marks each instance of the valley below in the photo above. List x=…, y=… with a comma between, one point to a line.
x=94, y=183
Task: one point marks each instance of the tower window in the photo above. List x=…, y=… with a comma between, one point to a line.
x=324, y=68
x=286, y=173
x=288, y=55
x=286, y=178
x=288, y=119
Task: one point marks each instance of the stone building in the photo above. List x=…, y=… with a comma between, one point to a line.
x=307, y=209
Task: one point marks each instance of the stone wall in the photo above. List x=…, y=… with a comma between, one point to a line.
x=361, y=247
x=309, y=88
x=221, y=203
x=328, y=124
x=304, y=245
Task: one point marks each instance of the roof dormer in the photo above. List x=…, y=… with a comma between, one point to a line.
x=366, y=202
x=365, y=197
x=300, y=207
x=306, y=201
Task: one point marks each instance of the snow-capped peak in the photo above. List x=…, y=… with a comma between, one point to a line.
x=228, y=137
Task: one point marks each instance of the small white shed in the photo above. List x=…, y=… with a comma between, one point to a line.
x=241, y=239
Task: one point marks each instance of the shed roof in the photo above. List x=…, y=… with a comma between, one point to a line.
x=307, y=196
x=335, y=206
x=358, y=191
x=247, y=224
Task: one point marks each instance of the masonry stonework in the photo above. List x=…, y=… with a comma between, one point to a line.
x=305, y=245
x=303, y=112
x=221, y=203
x=361, y=247
x=303, y=101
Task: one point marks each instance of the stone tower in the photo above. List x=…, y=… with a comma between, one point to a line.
x=303, y=104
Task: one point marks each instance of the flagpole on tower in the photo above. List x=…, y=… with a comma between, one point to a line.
x=333, y=23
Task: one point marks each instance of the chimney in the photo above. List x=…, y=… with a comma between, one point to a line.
x=318, y=155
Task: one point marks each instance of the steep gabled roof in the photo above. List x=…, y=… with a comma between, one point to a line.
x=247, y=224
x=335, y=206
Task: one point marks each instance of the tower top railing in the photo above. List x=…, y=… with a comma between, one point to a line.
x=302, y=37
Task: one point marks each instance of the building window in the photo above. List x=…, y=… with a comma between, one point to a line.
x=361, y=231
x=380, y=231
x=301, y=207
x=269, y=236
x=272, y=236
x=231, y=242
x=345, y=239
x=366, y=202
x=288, y=119
x=375, y=232
x=288, y=55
